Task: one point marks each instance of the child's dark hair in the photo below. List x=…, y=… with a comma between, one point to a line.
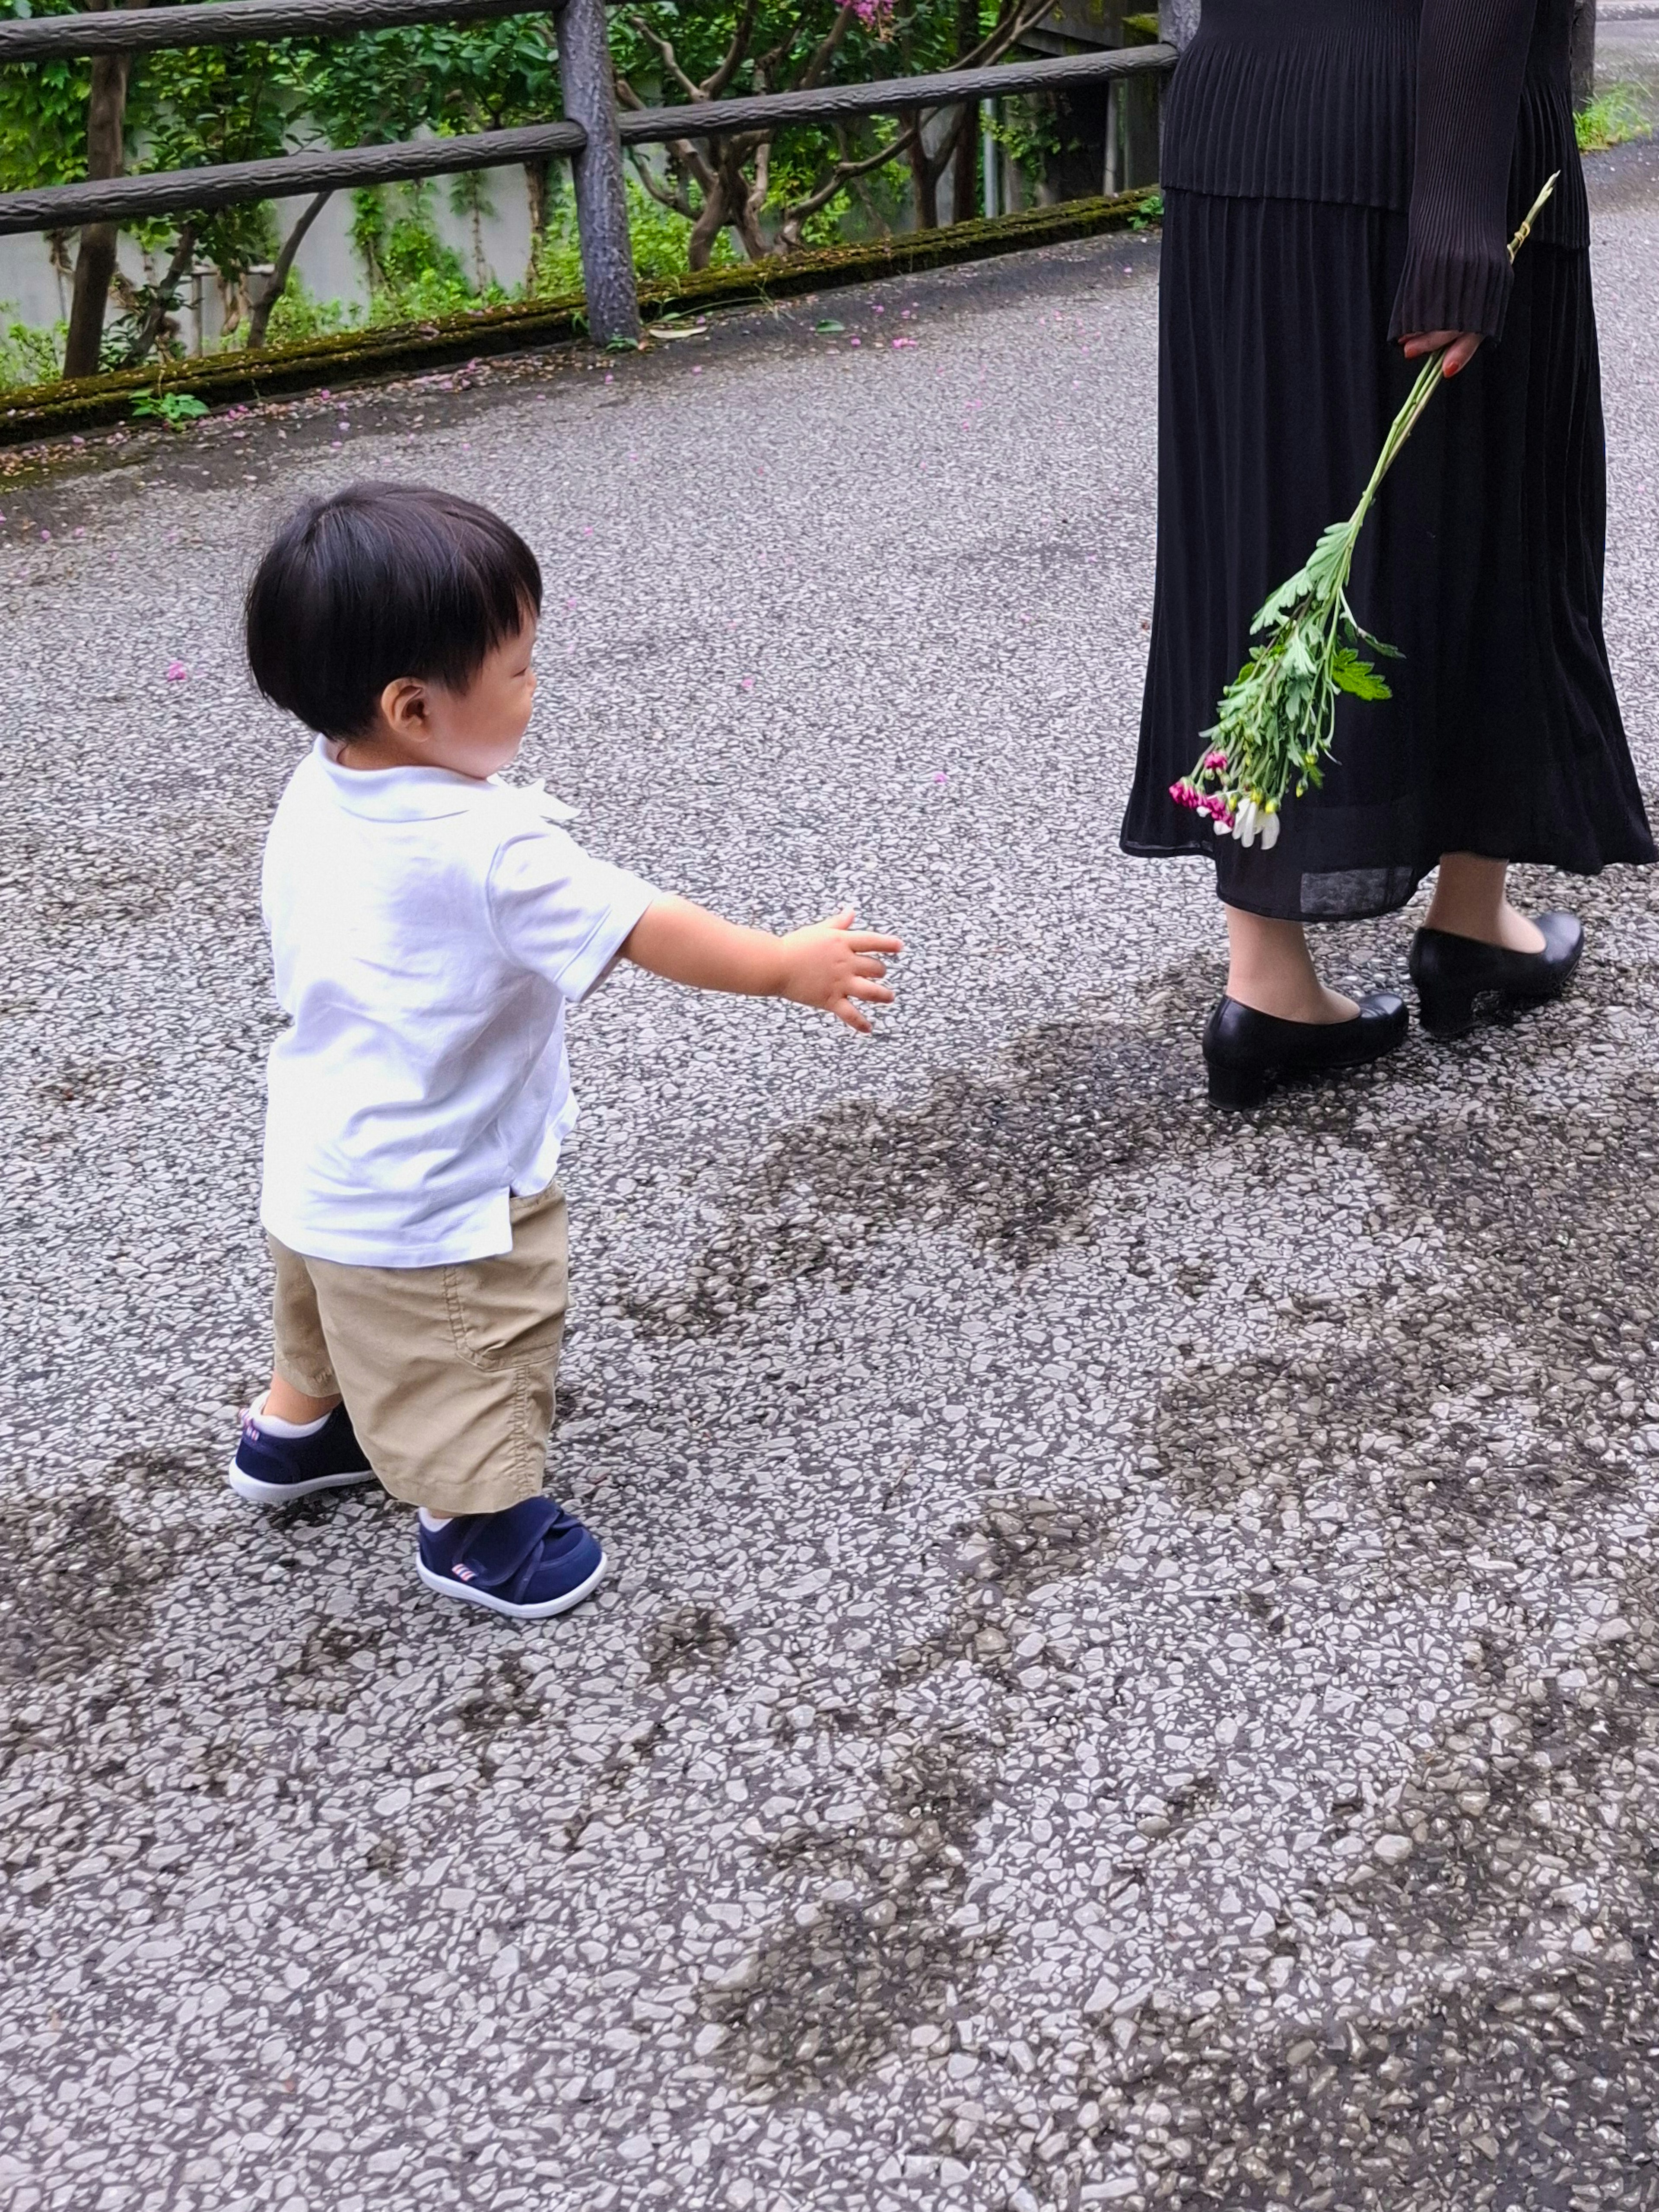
x=380, y=581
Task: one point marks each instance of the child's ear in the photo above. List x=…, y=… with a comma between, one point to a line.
x=404, y=703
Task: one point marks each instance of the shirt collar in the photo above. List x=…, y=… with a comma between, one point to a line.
x=400, y=795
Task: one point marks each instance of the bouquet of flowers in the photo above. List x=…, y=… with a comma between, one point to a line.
x=1273, y=726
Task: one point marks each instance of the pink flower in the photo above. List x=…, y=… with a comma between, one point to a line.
x=177, y=671
x=1215, y=760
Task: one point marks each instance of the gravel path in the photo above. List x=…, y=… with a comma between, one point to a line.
x=1132, y=1674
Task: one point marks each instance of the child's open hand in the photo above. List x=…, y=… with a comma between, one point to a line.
x=835, y=967
x=831, y=966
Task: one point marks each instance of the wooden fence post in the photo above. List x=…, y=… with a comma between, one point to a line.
x=590, y=99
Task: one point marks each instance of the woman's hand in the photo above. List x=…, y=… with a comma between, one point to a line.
x=1461, y=348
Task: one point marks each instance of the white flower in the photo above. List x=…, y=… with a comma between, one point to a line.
x=1269, y=833
x=1248, y=822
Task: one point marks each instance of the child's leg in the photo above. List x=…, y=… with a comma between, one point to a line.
x=450, y=1373
x=295, y=1408
x=299, y=1438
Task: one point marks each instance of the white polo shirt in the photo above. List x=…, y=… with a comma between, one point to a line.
x=427, y=932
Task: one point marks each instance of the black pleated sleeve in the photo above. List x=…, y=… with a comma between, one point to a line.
x=1471, y=59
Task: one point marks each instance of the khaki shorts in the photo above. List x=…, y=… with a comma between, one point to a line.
x=447, y=1372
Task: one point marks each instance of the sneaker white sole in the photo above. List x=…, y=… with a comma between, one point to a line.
x=277, y=1493
x=445, y=1588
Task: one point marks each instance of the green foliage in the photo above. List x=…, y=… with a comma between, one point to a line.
x=413, y=273
x=43, y=113
x=668, y=50
x=298, y=316
x=1029, y=134
x=1612, y=116
x=29, y=354
x=658, y=236
x=202, y=105
x=206, y=105
x=175, y=409
x=393, y=230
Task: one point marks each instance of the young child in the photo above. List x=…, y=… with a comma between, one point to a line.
x=428, y=926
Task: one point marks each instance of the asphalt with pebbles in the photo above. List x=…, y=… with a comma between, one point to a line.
x=1133, y=1672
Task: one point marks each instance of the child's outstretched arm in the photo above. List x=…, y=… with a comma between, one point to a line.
x=829, y=965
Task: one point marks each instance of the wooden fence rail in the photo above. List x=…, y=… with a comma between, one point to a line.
x=233, y=22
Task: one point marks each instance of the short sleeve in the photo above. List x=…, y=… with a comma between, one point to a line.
x=557, y=911
x=1471, y=60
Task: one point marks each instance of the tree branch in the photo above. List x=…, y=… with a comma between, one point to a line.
x=679, y=201
x=276, y=283
x=842, y=173
x=669, y=58
x=828, y=47
x=741, y=31
x=161, y=299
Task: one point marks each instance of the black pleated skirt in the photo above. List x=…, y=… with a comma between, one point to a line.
x=1482, y=561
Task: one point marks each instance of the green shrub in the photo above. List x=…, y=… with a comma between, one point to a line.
x=28, y=353
x=1612, y=116
x=298, y=316
x=658, y=236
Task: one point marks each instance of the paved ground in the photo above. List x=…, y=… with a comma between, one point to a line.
x=1132, y=1678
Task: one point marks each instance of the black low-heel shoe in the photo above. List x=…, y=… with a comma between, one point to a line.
x=1247, y=1053
x=1451, y=973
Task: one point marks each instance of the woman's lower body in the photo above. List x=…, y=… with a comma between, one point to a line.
x=1482, y=562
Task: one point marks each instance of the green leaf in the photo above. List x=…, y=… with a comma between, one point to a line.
x=1283, y=600
x=1350, y=673
x=1330, y=557
x=173, y=408
x=1376, y=644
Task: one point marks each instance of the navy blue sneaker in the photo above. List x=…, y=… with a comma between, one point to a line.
x=530, y=1561
x=269, y=1470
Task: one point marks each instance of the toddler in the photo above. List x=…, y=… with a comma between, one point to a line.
x=429, y=926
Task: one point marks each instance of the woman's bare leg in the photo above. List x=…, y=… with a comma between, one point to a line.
x=1271, y=969
x=1469, y=901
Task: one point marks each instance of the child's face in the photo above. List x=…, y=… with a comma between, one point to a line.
x=476, y=732
x=473, y=732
